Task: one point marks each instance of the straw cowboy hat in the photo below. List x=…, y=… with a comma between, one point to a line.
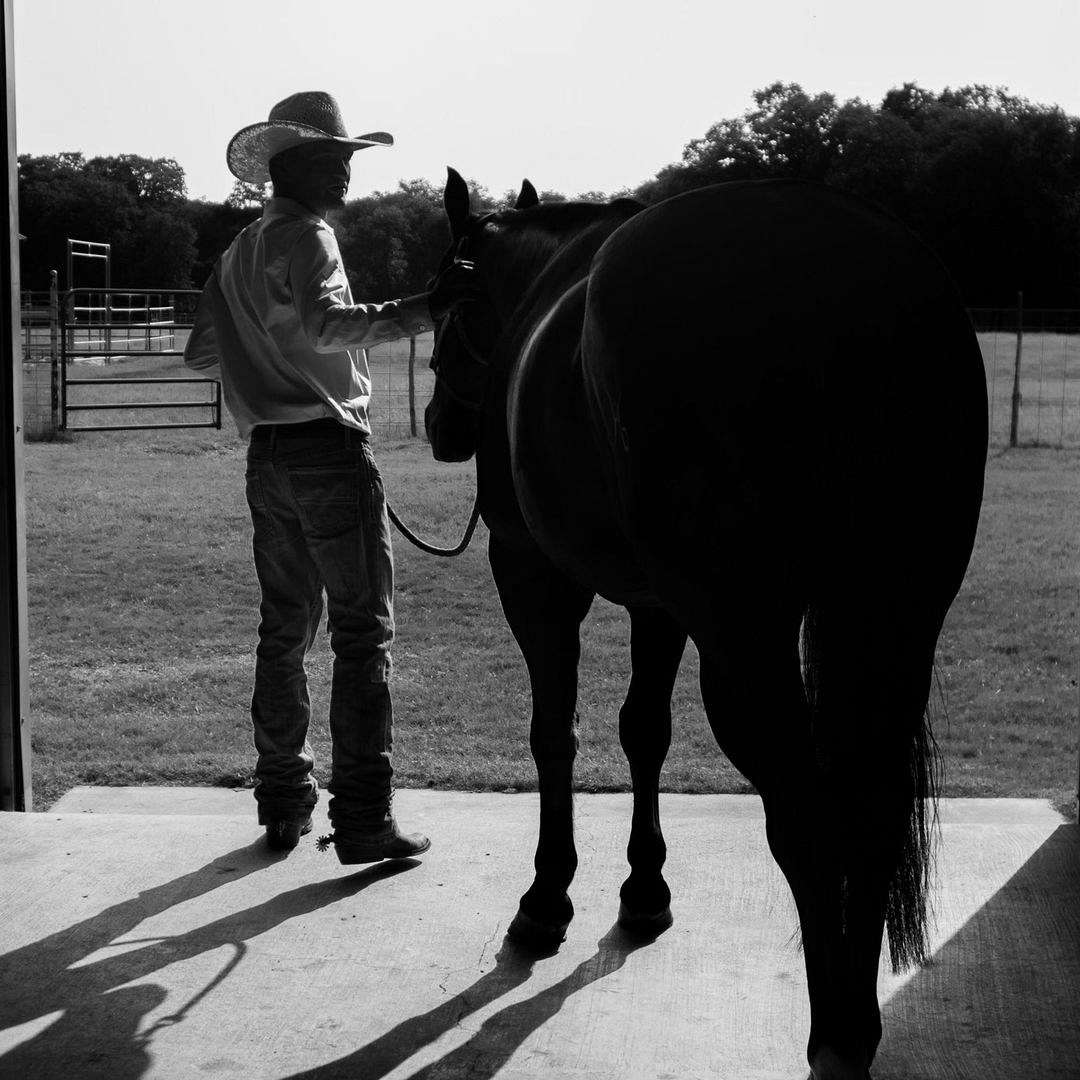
x=310, y=116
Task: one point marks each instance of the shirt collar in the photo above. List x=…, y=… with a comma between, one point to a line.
x=280, y=205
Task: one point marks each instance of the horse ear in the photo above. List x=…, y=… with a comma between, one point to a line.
x=527, y=197
x=456, y=201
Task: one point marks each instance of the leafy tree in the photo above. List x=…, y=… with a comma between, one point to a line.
x=247, y=196
x=787, y=134
x=59, y=199
x=127, y=201
x=159, y=181
x=390, y=241
x=989, y=180
x=214, y=225
x=993, y=187
x=157, y=249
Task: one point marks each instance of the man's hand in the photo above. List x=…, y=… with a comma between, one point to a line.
x=458, y=283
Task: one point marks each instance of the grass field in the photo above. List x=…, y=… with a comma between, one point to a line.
x=143, y=607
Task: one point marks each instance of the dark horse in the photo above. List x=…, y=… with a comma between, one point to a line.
x=754, y=414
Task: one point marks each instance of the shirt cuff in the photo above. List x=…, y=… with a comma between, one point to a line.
x=412, y=315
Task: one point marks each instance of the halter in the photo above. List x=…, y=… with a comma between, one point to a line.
x=457, y=324
x=474, y=354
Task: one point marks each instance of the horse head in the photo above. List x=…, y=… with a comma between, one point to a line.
x=465, y=339
x=525, y=258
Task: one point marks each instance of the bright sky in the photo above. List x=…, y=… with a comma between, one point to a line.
x=575, y=94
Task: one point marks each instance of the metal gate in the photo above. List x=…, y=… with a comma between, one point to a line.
x=127, y=326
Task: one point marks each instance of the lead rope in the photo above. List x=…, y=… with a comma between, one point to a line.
x=446, y=553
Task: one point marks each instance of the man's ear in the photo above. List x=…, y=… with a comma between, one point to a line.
x=527, y=196
x=456, y=202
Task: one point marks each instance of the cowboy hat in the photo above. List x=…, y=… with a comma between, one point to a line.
x=310, y=116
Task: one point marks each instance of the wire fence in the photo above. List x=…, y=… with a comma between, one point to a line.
x=1032, y=362
x=401, y=386
x=1031, y=356
x=38, y=329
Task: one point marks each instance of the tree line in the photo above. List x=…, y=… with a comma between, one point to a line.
x=989, y=180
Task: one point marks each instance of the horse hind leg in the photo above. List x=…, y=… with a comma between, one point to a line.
x=842, y=761
x=868, y=682
x=656, y=648
x=756, y=702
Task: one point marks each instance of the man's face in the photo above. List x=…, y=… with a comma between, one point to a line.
x=316, y=174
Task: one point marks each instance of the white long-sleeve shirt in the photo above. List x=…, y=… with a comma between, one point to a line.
x=277, y=324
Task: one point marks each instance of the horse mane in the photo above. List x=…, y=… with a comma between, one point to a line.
x=544, y=249
x=540, y=231
x=546, y=226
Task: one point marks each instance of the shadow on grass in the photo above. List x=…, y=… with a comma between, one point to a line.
x=97, y=1033
x=1001, y=997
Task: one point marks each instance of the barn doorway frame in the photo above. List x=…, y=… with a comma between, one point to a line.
x=15, y=787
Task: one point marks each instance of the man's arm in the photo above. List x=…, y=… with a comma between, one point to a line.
x=201, y=353
x=319, y=288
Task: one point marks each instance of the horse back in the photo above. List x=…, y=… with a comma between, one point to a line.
x=780, y=375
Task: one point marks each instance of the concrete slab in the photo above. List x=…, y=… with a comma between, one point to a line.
x=171, y=945
x=154, y=801
x=164, y=799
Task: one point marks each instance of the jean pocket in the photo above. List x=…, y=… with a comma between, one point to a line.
x=254, y=490
x=264, y=523
x=328, y=499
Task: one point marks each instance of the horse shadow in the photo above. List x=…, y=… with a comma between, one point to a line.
x=1001, y=997
x=98, y=1030
x=483, y=1055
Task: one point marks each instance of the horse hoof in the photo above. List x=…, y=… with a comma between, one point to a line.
x=829, y=1065
x=644, y=924
x=536, y=935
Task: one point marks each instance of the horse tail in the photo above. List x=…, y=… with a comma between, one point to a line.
x=907, y=906
x=868, y=695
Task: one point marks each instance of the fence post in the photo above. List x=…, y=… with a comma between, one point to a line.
x=54, y=348
x=64, y=304
x=412, y=386
x=1014, y=423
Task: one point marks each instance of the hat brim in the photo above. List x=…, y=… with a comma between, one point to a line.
x=250, y=149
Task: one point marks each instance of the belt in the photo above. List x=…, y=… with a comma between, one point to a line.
x=323, y=428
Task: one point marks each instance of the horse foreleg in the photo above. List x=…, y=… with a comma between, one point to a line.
x=545, y=609
x=656, y=648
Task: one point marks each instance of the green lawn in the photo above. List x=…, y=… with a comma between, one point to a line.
x=143, y=613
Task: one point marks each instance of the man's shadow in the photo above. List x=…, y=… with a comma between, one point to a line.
x=98, y=1032
x=484, y=1054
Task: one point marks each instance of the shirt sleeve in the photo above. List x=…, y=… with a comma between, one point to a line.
x=201, y=353
x=331, y=322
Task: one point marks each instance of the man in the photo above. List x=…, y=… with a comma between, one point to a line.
x=277, y=324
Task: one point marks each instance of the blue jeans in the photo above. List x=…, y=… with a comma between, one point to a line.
x=319, y=518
